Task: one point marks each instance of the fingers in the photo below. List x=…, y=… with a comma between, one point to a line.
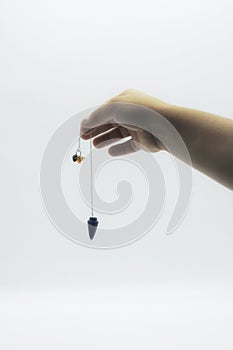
x=106, y=117
x=124, y=148
x=111, y=137
x=87, y=132
x=99, y=121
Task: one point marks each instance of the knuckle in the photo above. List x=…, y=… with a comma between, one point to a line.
x=123, y=94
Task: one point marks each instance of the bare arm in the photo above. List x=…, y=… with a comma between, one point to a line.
x=208, y=138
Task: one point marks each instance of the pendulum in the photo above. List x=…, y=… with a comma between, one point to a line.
x=92, y=222
x=92, y=226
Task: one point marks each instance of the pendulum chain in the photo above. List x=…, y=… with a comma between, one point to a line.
x=91, y=178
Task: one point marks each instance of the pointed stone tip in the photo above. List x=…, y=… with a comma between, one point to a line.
x=92, y=227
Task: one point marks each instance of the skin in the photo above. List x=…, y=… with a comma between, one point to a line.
x=208, y=137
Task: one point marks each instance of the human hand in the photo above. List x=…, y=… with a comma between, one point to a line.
x=126, y=117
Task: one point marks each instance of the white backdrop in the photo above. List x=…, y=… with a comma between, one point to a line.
x=163, y=292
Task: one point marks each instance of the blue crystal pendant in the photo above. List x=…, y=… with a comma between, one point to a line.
x=92, y=226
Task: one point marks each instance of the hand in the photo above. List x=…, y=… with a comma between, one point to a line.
x=116, y=119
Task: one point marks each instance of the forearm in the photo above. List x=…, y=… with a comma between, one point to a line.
x=209, y=140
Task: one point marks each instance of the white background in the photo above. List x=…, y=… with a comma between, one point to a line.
x=162, y=292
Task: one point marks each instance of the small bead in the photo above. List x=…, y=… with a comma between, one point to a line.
x=75, y=157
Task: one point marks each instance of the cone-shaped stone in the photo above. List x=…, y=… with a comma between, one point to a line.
x=92, y=226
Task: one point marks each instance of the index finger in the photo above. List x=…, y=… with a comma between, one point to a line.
x=99, y=121
x=87, y=133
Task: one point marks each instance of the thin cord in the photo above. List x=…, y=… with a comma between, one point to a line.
x=91, y=171
x=78, y=149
